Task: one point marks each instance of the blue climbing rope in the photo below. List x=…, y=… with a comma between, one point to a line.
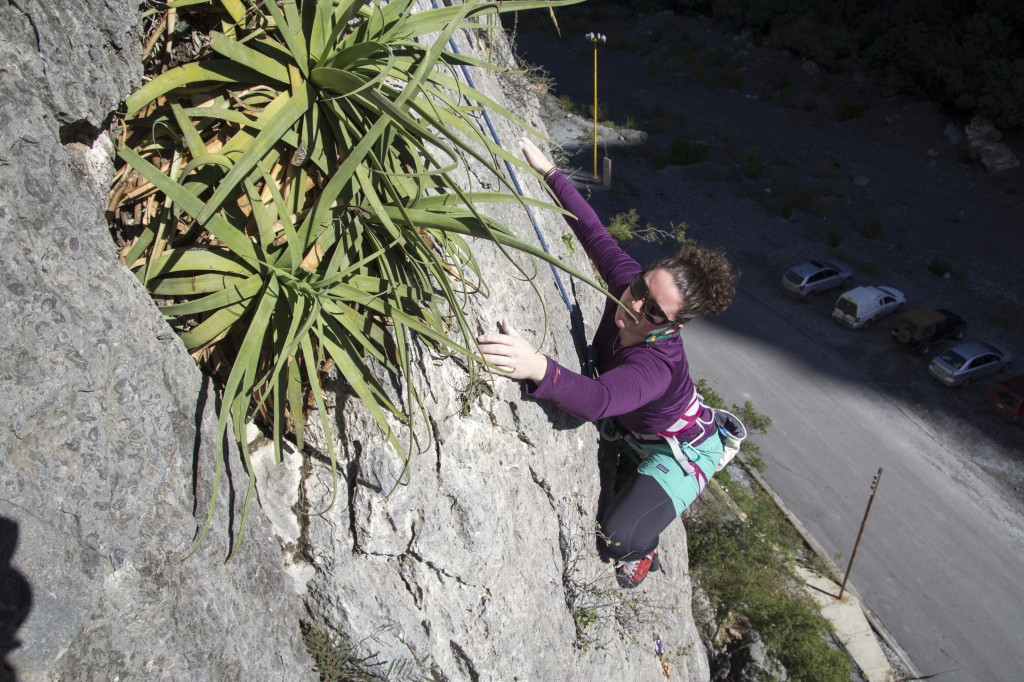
x=512, y=174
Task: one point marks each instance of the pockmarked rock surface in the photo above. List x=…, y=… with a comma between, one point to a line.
x=480, y=565
x=106, y=450
x=479, y=561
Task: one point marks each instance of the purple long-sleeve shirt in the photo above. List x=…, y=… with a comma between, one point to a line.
x=646, y=387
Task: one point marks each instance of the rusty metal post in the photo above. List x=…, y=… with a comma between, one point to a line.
x=874, y=487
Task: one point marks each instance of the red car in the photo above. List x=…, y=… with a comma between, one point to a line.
x=1007, y=398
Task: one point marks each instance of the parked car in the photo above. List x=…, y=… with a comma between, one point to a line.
x=970, y=360
x=859, y=307
x=919, y=328
x=806, y=280
x=1007, y=398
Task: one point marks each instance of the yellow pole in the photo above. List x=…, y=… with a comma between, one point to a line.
x=595, y=108
x=595, y=38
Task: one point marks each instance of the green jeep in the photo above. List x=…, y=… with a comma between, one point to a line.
x=921, y=327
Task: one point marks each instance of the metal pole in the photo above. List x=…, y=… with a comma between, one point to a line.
x=874, y=487
x=595, y=38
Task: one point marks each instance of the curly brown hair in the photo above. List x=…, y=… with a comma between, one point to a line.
x=705, y=278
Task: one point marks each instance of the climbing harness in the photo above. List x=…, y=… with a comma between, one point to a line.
x=729, y=427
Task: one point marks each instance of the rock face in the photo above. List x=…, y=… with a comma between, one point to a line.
x=105, y=415
x=482, y=566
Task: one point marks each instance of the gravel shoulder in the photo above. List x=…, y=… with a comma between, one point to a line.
x=885, y=191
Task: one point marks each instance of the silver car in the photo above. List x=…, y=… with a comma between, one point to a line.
x=970, y=360
x=807, y=279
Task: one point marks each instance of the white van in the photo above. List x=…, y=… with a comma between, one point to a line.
x=859, y=307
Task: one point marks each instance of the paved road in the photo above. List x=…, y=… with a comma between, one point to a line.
x=940, y=561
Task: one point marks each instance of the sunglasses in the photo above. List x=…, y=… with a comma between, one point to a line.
x=651, y=311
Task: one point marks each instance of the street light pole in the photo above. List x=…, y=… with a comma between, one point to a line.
x=595, y=38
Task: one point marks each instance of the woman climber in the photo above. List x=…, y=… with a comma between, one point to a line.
x=641, y=385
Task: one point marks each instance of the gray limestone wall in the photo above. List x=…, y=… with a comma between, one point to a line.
x=105, y=417
x=485, y=563
x=477, y=568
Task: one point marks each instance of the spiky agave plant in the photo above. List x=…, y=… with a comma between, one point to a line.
x=294, y=203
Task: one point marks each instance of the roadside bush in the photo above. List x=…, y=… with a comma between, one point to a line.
x=685, y=153
x=753, y=167
x=871, y=228
x=746, y=569
x=848, y=111
x=940, y=267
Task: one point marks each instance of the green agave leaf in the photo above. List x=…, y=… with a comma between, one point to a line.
x=349, y=362
x=192, y=285
x=311, y=368
x=281, y=119
x=192, y=260
x=193, y=141
x=233, y=406
x=247, y=360
x=291, y=32
x=231, y=295
x=215, y=325
x=472, y=228
x=442, y=202
x=264, y=219
x=230, y=236
x=295, y=402
x=215, y=70
x=235, y=8
x=249, y=58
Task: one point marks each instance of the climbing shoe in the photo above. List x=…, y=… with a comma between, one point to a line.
x=632, y=573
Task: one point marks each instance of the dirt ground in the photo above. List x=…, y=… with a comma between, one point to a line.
x=876, y=180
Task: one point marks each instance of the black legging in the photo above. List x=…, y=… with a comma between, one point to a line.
x=635, y=518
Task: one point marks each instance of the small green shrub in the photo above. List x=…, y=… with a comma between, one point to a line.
x=598, y=606
x=567, y=103
x=833, y=237
x=339, y=659
x=966, y=153
x=820, y=206
x=848, y=111
x=871, y=228
x=661, y=121
x=940, y=267
x=291, y=201
x=624, y=226
x=685, y=153
x=753, y=167
x=717, y=57
x=826, y=170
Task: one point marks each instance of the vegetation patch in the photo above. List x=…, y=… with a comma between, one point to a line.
x=288, y=188
x=940, y=266
x=872, y=228
x=337, y=658
x=684, y=152
x=746, y=568
x=626, y=226
x=601, y=610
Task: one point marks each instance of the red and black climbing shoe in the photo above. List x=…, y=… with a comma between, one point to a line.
x=632, y=573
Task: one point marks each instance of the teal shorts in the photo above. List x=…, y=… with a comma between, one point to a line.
x=659, y=463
